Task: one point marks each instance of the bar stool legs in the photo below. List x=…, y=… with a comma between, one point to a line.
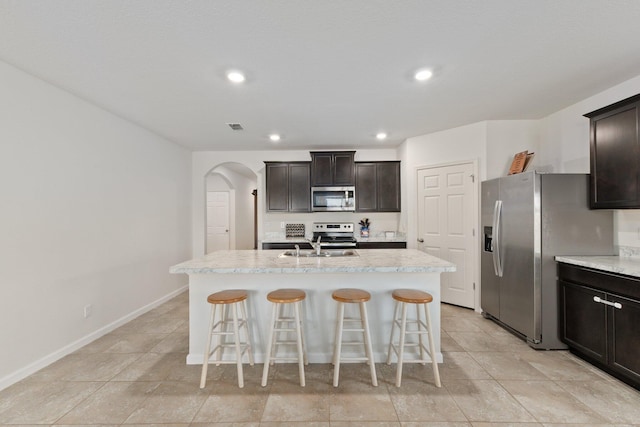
x=346, y=296
x=224, y=299
x=280, y=298
x=421, y=300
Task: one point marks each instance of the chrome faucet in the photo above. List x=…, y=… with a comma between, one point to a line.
x=316, y=246
x=297, y=250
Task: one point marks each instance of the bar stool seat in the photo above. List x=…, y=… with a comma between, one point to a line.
x=419, y=298
x=282, y=324
x=227, y=298
x=360, y=297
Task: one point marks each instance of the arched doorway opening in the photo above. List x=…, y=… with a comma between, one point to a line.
x=230, y=215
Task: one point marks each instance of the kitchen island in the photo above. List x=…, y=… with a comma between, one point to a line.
x=377, y=271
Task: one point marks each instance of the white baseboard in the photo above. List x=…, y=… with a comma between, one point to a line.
x=70, y=348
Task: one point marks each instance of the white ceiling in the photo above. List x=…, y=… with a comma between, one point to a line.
x=323, y=73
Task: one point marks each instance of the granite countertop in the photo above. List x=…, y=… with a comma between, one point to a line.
x=267, y=261
x=381, y=238
x=613, y=264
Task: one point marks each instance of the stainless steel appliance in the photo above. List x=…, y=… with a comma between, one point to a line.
x=337, y=235
x=327, y=199
x=527, y=219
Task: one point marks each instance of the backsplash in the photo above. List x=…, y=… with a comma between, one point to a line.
x=629, y=251
x=380, y=222
x=627, y=226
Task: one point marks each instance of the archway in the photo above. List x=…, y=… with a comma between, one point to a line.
x=230, y=191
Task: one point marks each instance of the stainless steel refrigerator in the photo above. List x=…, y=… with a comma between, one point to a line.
x=526, y=220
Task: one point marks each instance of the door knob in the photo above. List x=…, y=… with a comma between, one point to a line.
x=421, y=240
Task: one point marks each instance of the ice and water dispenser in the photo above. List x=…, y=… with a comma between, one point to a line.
x=488, y=237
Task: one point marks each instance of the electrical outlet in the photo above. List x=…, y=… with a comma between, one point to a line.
x=282, y=224
x=88, y=310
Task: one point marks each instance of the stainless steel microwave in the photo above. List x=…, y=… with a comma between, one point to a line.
x=330, y=199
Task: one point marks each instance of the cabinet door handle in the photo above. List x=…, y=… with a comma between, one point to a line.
x=612, y=304
x=420, y=240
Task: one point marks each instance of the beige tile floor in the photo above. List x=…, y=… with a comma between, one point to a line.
x=137, y=376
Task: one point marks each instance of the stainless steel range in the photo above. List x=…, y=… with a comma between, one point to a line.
x=338, y=235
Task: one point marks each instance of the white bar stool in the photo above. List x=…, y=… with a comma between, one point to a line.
x=233, y=298
x=279, y=324
x=420, y=298
x=352, y=296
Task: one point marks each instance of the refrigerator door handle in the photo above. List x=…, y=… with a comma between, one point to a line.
x=495, y=241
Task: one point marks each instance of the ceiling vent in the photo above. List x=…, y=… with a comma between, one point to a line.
x=235, y=126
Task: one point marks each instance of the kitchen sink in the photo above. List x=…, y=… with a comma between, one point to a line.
x=326, y=253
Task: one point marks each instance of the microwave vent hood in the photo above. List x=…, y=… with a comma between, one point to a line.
x=333, y=199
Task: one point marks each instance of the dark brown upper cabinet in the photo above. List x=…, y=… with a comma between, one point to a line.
x=615, y=155
x=288, y=186
x=329, y=168
x=377, y=186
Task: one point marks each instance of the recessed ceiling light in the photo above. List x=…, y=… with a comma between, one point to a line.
x=422, y=75
x=235, y=76
x=381, y=135
x=274, y=137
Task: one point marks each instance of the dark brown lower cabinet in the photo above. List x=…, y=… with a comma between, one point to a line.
x=285, y=245
x=360, y=245
x=624, y=346
x=382, y=245
x=600, y=319
x=585, y=322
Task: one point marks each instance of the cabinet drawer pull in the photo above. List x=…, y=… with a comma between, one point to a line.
x=612, y=304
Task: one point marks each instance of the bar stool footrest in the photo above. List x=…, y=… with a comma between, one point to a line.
x=353, y=359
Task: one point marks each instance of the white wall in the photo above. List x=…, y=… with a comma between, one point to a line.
x=564, y=135
x=454, y=145
x=560, y=141
x=94, y=211
x=204, y=161
x=565, y=145
x=243, y=187
x=241, y=223
x=506, y=138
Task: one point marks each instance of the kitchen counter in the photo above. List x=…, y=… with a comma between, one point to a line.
x=294, y=240
x=377, y=271
x=268, y=262
x=381, y=239
x=612, y=264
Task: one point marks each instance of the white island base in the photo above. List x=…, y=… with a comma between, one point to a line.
x=319, y=309
x=260, y=272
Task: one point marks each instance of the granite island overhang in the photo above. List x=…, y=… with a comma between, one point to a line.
x=378, y=271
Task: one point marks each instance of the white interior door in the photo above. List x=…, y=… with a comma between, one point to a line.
x=217, y=220
x=447, y=212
